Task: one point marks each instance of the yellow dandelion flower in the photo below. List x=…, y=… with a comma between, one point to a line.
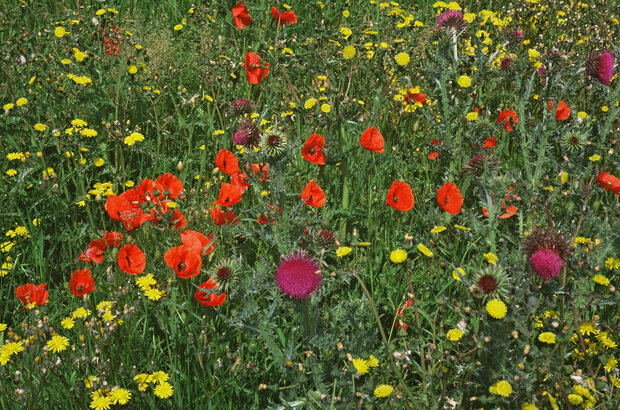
x=120, y=396
x=361, y=365
x=57, y=343
x=163, y=390
x=496, y=308
x=383, y=390
x=402, y=59
x=454, y=335
x=21, y=101
x=491, y=258
x=601, y=280
x=40, y=127
x=424, y=250
x=373, y=361
x=398, y=255
x=60, y=31
x=464, y=81
x=348, y=52
x=501, y=388
x=67, y=323
x=547, y=337
x=343, y=251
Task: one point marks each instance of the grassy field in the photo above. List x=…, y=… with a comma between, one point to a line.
x=328, y=204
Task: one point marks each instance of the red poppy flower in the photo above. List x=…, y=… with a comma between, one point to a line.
x=562, y=113
x=229, y=195
x=120, y=208
x=435, y=141
x=198, y=242
x=172, y=184
x=185, y=261
x=148, y=191
x=449, y=198
x=241, y=16
x=262, y=169
x=510, y=117
x=510, y=211
x=400, y=196
x=227, y=162
x=206, y=298
x=95, y=251
x=372, y=140
x=30, y=293
x=131, y=259
x=255, y=70
x=412, y=98
x=282, y=18
x=490, y=143
x=313, y=195
x=433, y=155
x=82, y=282
x=609, y=182
x=223, y=218
x=312, y=150
x=113, y=239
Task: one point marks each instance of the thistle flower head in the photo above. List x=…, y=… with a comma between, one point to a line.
x=241, y=106
x=546, y=250
x=451, y=20
x=247, y=134
x=475, y=166
x=298, y=275
x=274, y=143
x=225, y=273
x=492, y=282
x=600, y=66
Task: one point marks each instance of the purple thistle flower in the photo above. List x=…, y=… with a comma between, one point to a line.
x=601, y=66
x=546, y=263
x=298, y=275
x=451, y=19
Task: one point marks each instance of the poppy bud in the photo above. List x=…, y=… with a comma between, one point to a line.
x=180, y=166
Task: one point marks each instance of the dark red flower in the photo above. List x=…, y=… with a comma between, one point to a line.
x=487, y=284
x=30, y=293
x=81, y=283
x=256, y=71
x=223, y=218
x=562, y=113
x=186, y=262
x=209, y=298
x=312, y=150
x=131, y=259
x=313, y=195
x=283, y=18
x=412, y=98
x=129, y=212
x=113, y=239
x=229, y=195
x=241, y=16
x=400, y=196
x=95, y=251
x=227, y=162
x=171, y=184
x=609, y=182
x=372, y=140
x=198, y=242
x=510, y=117
x=449, y=198
x=433, y=155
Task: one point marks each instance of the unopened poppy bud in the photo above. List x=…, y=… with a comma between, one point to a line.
x=262, y=386
x=180, y=166
x=526, y=351
x=215, y=171
x=487, y=339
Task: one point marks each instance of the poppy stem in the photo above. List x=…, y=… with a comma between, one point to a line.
x=387, y=344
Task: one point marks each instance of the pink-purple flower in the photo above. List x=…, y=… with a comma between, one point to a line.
x=546, y=263
x=601, y=66
x=298, y=275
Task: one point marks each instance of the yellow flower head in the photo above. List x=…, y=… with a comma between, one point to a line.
x=343, y=251
x=454, y=335
x=496, y=308
x=501, y=388
x=398, y=255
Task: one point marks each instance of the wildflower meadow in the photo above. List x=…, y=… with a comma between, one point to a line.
x=322, y=204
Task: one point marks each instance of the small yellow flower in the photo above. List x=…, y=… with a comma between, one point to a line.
x=472, y=116
x=491, y=258
x=402, y=59
x=594, y=158
x=373, y=361
x=501, y=388
x=424, y=250
x=343, y=251
x=3, y=327
x=348, y=52
x=600, y=279
x=547, y=337
x=455, y=274
x=346, y=32
x=99, y=162
x=575, y=399
x=326, y=108
x=438, y=229
x=454, y=335
x=464, y=81
x=310, y=102
x=604, y=108
x=496, y=308
x=383, y=390
x=40, y=127
x=57, y=344
x=361, y=365
x=67, y=323
x=21, y=101
x=178, y=27
x=398, y=255
x=59, y=31
x=7, y=107
x=132, y=69
x=163, y=390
